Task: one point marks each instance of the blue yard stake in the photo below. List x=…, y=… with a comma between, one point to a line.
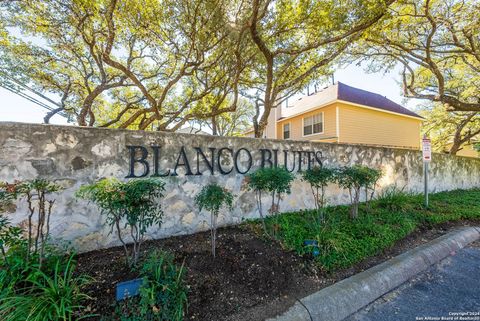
x=314, y=244
x=311, y=242
x=128, y=289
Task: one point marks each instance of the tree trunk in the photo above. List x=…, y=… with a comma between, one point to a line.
x=214, y=126
x=457, y=140
x=87, y=106
x=354, y=206
x=261, y=125
x=455, y=148
x=213, y=231
x=268, y=97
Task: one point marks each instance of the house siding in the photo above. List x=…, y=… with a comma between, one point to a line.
x=467, y=151
x=296, y=125
x=365, y=126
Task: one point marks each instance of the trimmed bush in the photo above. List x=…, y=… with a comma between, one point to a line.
x=275, y=181
x=394, y=199
x=133, y=204
x=355, y=178
x=345, y=242
x=212, y=198
x=319, y=178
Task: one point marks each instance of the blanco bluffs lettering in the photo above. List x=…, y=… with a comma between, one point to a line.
x=211, y=159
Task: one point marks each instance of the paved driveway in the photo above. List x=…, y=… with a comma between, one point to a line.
x=450, y=290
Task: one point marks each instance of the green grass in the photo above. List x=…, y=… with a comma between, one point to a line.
x=344, y=242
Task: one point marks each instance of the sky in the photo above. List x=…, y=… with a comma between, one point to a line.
x=17, y=109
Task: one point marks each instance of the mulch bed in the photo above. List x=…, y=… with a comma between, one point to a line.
x=250, y=279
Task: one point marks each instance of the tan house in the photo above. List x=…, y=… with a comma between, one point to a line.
x=467, y=150
x=344, y=114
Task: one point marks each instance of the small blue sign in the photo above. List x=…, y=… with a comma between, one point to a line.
x=314, y=245
x=311, y=242
x=128, y=289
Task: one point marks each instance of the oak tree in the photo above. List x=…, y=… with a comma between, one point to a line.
x=292, y=43
x=437, y=43
x=450, y=131
x=125, y=63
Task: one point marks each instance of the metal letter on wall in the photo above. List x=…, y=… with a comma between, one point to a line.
x=142, y=160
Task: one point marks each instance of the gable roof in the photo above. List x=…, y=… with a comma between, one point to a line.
x=192, y=130
x=341, y=92
x=367, y=98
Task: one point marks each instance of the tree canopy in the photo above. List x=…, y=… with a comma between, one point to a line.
x=125, y=63
x=160, y=64
x=449, y=131
x=437, y=42
x=293, y=43
x=234, y=123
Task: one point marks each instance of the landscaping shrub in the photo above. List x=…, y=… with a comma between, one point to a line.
x=7, y=196
x=394, y=199
x=35, y=192
x=163, y=294
x=345, y=242
x=355, y=178
x=275, y=181
x=319, y=178
x=10, y=238
x=31, y=293
x=451, y=206
x=212, y=197
x=133, y=204
x=37, y=280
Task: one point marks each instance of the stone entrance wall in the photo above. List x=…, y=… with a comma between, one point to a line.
x=74, y=156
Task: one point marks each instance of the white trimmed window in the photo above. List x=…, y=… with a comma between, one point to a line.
x=286, y=131
x=313, y=124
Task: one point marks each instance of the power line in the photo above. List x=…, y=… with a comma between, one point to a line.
x=26, y=96
x=30, y=89
x=29, y=97
x=33, y=100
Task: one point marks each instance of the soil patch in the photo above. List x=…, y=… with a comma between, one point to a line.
x=250, y=279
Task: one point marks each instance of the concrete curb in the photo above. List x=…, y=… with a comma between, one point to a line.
x=344, y=298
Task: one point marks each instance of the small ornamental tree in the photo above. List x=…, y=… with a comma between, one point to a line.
x=319, y=177
x=36, y=193
x=212, y=198
x=275, y=181
x=133, y=205
x=354, y=179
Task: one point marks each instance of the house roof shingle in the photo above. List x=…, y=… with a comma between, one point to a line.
x=367, y=98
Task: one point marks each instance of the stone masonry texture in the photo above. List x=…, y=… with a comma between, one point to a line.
x=74, y=156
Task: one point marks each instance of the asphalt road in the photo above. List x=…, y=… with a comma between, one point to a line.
x=450, y=290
